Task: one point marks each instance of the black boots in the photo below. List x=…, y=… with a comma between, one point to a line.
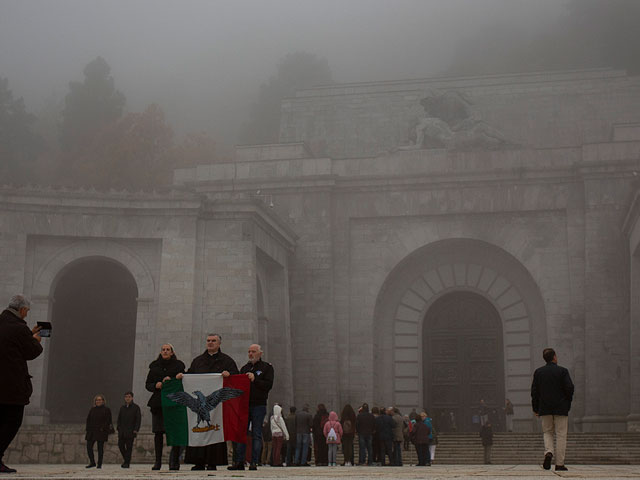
x=174, y=458
x=157, y=444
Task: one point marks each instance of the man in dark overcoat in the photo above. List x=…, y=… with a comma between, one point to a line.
x=18, y=344
x=129, y=419
x=551, y=396
x=211, y=361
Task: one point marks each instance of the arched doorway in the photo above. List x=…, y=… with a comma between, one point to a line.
x=92, y=347
x=463, y=359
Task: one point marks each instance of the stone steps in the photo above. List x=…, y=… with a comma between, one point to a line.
x=59, y=444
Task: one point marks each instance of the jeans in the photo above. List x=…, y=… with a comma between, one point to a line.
x=256, y=416
x=291, y=449
x=422, y=449
x=386, y=450
x=332, y=453
x=366, y=449
x=397, y=453
x=302, y=448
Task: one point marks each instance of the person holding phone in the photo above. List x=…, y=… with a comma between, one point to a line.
x=18, y=344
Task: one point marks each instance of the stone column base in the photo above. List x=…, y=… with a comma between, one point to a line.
x=633, y=422
x=35, y=416
x=601, y=423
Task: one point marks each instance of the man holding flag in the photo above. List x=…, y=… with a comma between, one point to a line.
x=260, y=373
x=206, y=444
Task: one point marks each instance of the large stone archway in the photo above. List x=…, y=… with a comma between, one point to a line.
x=94, y=313
x=438, y=269
x=50, y=270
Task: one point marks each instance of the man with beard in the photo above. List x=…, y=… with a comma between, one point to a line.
x=18, y=343
x=260, y=374
x=211, y=361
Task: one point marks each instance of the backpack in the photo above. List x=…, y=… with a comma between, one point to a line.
x=347, y=427
x=332, y=437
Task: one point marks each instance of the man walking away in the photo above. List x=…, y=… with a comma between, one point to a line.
x=551, y=396
x=128, y=425
x=18, y=344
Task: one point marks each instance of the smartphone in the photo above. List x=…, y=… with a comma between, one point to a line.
x=46, y=329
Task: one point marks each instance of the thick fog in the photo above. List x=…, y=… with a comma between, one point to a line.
x=203, y=61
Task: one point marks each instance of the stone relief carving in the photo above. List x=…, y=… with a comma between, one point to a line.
x=450, y=121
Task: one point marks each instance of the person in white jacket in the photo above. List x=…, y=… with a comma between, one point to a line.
x=279, y=435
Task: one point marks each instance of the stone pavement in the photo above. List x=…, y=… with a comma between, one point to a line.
x=486, y=472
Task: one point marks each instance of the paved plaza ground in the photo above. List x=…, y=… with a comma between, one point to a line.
x=487, y=472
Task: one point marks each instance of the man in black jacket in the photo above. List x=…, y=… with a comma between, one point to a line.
x=211, y=361
x=128, y=425
x=551, y=395
x=18, y=344
x=261, y=375
x=304, y=423
x=384, y=427
x=365, y=426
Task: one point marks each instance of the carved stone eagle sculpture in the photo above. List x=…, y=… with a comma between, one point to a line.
x=202, y=405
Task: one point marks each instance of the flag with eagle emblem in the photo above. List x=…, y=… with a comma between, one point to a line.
x=203, y=409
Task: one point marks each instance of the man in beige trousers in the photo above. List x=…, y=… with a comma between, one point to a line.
x=551, y=395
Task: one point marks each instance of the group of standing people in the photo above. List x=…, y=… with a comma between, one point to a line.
x=166, y=367
x=381, y=432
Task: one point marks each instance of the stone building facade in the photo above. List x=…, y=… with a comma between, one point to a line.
x=371, y=266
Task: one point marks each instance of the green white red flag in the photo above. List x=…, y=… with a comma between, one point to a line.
x=203, y=409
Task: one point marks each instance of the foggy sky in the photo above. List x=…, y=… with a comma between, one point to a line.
x=203, y=61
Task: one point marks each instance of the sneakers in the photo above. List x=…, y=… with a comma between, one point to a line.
x=547, y=460
x=561, y=468
x=91, y=465
x=5, y=469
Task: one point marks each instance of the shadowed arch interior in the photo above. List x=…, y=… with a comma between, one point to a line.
x=463, y=360
x=92, y=347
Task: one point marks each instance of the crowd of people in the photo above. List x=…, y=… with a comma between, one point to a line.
x=382, y=433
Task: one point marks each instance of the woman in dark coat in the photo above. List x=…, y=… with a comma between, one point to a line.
x=319, y=443
x=348, y=422
x=163, y=368
x=99, y=426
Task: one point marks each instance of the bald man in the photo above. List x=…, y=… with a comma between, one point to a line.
x=261, y=375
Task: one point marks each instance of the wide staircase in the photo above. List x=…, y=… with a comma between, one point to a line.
x=65, y=444
x=528, y=448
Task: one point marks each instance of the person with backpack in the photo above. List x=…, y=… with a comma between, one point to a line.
x=348, y=422
x=332, y=431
